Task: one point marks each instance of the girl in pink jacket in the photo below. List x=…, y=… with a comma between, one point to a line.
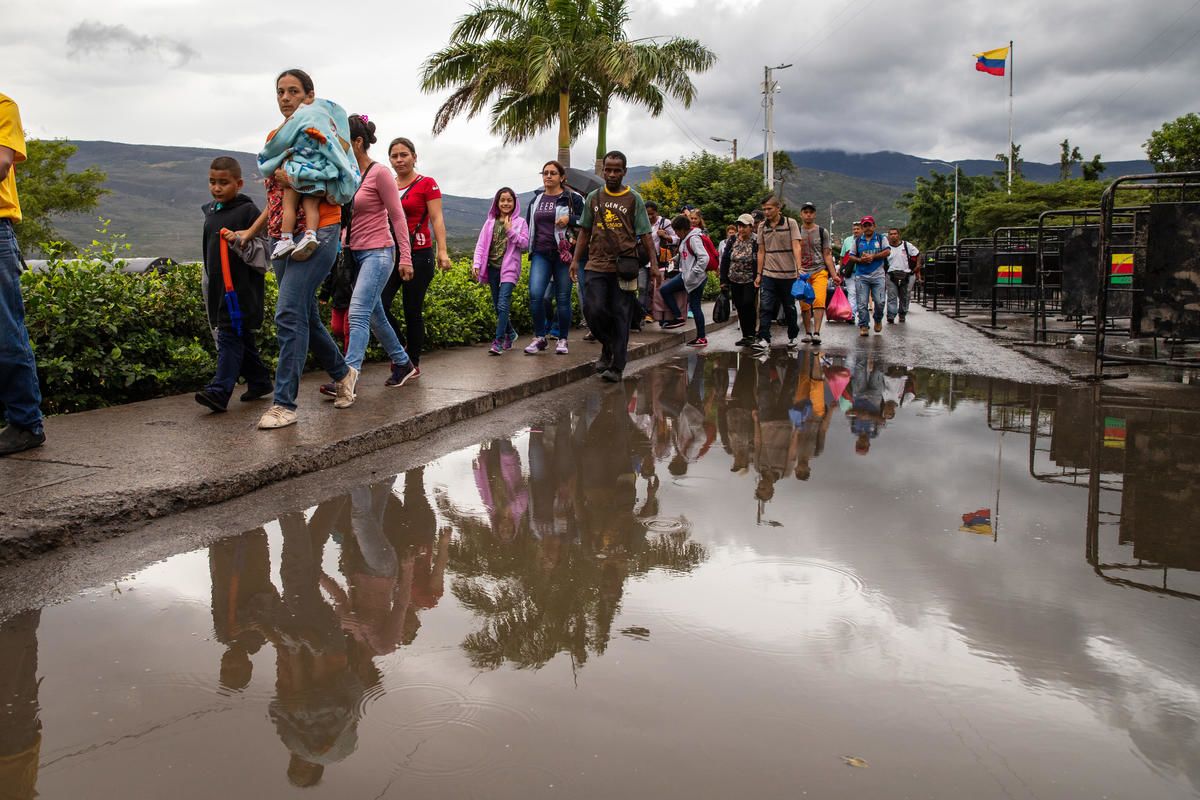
x=503, y=239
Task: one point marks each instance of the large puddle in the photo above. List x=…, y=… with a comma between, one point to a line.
x=838, y=579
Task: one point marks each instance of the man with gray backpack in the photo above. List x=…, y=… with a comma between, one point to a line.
x=901, y=268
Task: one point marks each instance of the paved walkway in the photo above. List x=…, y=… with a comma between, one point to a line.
x=101, y=472
x=104, y=472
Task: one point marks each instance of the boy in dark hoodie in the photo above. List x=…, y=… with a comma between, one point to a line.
x=237, y=351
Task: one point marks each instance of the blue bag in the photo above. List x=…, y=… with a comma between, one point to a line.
x=802, y=290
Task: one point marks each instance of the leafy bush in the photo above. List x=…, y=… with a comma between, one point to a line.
x=103, y=337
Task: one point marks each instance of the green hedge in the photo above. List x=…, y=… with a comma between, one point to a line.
x=104, y=337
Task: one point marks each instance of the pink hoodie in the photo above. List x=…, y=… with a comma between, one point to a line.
x=518, y=243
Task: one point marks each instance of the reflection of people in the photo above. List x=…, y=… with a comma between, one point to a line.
x=898, y=389
x=808, y=413
x=740, y=414
x=20, y=727
x=866, y=411
x=501, y=487
x=319, y=679
x=240, y=568
x=375, y=607
x=775, y=439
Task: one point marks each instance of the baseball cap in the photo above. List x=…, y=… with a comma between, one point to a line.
x=867, y=220
x=745, y=219
x=808, y=205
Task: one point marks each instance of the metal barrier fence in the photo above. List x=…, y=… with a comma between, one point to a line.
x=1152, y=272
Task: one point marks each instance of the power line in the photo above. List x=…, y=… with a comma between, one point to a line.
x=1157, y=64
x=1083, y=101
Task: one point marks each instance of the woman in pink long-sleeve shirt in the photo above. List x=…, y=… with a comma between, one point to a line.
x=378, y=242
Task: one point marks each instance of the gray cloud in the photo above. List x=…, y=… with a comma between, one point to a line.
x=91, y=37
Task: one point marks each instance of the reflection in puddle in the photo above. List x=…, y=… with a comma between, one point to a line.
x=770, y=564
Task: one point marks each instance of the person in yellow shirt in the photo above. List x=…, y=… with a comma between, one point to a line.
x=20, y=397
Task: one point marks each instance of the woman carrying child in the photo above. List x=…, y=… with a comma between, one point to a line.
x=297, y=321
x=497, y=262
x=378, y=232
x=311, y=149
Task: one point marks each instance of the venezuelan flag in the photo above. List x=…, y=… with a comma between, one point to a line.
x=992, y=61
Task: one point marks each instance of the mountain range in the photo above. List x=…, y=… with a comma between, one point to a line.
x=156, y=191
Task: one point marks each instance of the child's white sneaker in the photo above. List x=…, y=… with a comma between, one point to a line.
x=283, y=247
x=307, y=245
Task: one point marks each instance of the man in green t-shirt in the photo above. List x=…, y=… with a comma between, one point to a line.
x=614, y=223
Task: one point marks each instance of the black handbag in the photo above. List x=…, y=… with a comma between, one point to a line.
x=628, y=267
x=720, y=312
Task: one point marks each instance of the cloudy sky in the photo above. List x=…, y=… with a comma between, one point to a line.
x=868, y=75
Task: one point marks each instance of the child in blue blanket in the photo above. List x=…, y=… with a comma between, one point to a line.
x=314, y=153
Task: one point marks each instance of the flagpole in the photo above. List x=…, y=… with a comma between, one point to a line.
x=1011, y=154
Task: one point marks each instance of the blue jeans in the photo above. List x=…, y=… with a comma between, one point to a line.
x=873, y=284
x=298, y=324
x=773, y=292
x=366, y=314
x=20, y=395
x=675, y=285
x=502, y=302
x=543, y=266
x=237, y=355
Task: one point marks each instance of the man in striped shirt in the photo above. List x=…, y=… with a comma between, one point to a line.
x=779, y=259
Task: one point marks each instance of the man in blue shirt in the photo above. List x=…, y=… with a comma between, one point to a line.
x=869, y=255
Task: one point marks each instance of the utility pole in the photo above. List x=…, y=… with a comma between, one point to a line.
x=769, y=89
x=727, y=141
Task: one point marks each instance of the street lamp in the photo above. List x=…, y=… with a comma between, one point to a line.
x=727, y=141
x=954, y=166
x=957, y=259
x=832, y=206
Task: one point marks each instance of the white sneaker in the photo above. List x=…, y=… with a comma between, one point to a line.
x=345, y=389
x=307, y=245
x=283, y=247
x=277, y=417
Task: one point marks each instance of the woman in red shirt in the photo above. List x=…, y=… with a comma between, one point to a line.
x=422, y=201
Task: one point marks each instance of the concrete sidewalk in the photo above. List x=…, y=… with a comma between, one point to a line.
x=102, y=472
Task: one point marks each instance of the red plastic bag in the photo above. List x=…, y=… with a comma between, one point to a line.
x=838, y=307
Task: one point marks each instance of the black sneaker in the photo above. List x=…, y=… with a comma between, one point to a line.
x=210, y=400
x=602, y=366
x=400, y=374
x=611, y=375
x=257, y=392
x=17, y=440
x=745, y=341
x=675, y=323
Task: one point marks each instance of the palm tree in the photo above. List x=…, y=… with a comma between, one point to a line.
x=527, y=70
x=556, y=62
x=639, y=71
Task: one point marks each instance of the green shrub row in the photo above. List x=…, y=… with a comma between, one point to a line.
x=104, y=337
